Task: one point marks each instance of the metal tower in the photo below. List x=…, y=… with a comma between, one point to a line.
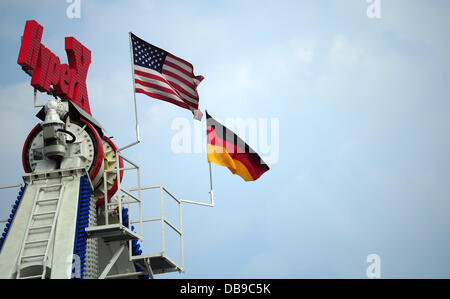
x=73, y=218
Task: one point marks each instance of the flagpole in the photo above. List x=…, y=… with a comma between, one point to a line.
x=211, y=192
x=138, y=135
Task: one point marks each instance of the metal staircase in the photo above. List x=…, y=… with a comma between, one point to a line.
x=40, y=230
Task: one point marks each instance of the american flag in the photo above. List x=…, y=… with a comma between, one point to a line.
x=163, y=76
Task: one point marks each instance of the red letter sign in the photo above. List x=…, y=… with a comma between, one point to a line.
x=68, y=81
x=31, y=43
x=79, y=61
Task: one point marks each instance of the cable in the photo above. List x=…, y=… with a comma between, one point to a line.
x=68, y=133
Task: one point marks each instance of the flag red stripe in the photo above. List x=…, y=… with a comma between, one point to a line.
x=161, y=97
x=182, y=89
x=151, y=76
x=214, y=139
x=168, y=91
x=171, y=79
x=179, y=78
x=183, y=92
x=178, y=68
x=254, y=164
x=181, y=60
x=179, y=91
x=151, y=85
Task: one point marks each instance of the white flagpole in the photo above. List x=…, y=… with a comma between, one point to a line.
x=211, y=192
x=138, y=135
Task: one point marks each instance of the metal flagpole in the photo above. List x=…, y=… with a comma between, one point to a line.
x=211, y=192
x=138, y=136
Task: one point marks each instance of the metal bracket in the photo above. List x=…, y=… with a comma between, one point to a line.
x=211, y=194
x=149, y=268
x=111, y=262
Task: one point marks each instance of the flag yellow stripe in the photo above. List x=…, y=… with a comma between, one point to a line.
x=242, y=171
x=220, y=156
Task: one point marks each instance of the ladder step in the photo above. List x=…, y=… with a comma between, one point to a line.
x=40, y=227
x=47, y=199
x=31, y=277
x=33, y=256
x=52, y=200
x=37, y=241
x=51, y=186
x=44, y=213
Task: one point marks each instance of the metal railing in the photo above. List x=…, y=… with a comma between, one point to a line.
x=163, y=220
x=119, y=201
x=127, y=198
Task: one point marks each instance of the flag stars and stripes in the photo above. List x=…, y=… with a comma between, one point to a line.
x=164, y=76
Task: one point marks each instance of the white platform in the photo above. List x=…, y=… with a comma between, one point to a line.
x=111, y=232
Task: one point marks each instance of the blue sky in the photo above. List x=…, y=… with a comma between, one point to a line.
x=364, y=121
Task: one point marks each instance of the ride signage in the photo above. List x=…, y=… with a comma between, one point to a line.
x=46, y=69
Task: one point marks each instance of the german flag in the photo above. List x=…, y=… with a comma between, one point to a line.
x=226, y=149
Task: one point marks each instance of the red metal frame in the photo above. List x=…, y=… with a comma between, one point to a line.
x=113, y=189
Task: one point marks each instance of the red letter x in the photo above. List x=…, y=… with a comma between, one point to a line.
x=79, y=60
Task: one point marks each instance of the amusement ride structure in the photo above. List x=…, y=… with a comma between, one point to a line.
x=73, y=218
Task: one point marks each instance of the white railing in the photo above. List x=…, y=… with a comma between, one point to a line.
x=119, y=198
x=129, y=197
x=163, y=220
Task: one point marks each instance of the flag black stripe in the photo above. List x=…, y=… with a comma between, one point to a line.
x=229, y=136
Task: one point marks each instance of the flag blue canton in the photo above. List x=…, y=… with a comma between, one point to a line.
x=147, y=55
